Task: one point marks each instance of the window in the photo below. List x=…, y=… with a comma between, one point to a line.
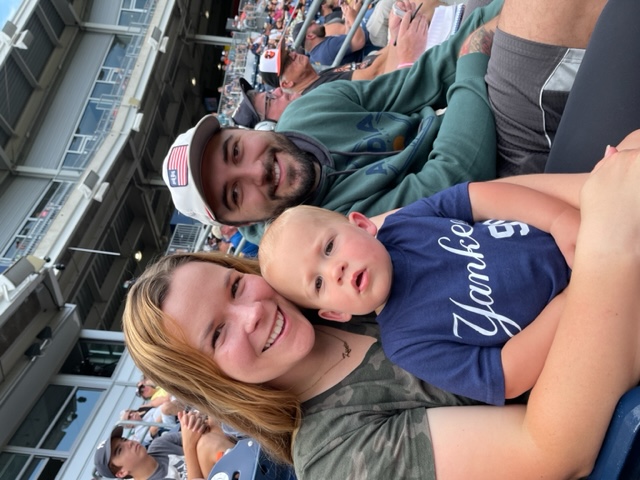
x=57, y=418
x=133, y=11
x=94, y=358
x=22, y=467
x=35, y=226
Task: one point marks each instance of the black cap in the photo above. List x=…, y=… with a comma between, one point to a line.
x=246, y=114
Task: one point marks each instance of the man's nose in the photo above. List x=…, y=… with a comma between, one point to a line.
x=252, y=171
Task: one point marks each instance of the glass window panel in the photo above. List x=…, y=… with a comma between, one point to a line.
x=94, y=358
x=76, y=413
x=76, y=144
x=103, y=75
x=42, y=204
x=102, y=88
x=11, y=464
x=42, y=469
x=73, y=160
x=129, y=17
x=33, y=428
x=115, y=57
x=27, y=227
x=14, y=248
x=90, y=119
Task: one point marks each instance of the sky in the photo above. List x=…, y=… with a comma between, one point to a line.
x=7, y=9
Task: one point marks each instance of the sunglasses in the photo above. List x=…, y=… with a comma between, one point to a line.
x=268, y=98
x=140, y=391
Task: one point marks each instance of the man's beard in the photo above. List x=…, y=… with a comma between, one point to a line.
x=303, y=173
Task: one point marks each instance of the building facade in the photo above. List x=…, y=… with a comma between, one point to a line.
x=92, y=94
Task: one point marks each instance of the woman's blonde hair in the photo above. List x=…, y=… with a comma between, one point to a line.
x=268, y=415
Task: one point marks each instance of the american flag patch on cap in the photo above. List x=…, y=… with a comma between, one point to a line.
x=178, y=167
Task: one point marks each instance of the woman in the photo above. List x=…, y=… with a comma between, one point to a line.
x=220, y=338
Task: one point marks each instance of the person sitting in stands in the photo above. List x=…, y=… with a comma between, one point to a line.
x=184, y=455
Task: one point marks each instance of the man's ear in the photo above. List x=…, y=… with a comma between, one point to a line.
x=363, y=222
x=334, y=315
x=284, y=83
x=122, y=473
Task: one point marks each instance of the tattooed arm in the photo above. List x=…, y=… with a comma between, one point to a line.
x=481, y=39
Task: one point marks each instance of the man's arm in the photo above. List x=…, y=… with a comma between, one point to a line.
x=350, y=12
x=376, y=68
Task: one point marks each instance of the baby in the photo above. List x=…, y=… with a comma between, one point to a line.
x=451, y=288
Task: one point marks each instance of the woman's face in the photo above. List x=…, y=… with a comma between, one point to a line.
x=253, y=334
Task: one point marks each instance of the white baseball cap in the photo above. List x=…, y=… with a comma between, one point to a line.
x=182, y=170
x=272, y=64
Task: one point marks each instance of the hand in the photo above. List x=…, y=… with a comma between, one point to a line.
x=193, y=426
x=350, y=11
x=395, y=19
x=629, y=142
x=412, y=38
x=610, y=204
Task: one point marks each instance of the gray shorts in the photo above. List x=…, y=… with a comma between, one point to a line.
x=528, y=85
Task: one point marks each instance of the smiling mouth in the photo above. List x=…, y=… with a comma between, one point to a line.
x=359, y=280
x=275, y=333
x=276, y=175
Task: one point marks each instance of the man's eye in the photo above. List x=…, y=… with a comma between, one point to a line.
x=236, y=152
x=328, y=248
x=234, y=195
x=318, y=284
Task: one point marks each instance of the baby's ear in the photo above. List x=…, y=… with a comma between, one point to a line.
x=334, y=315
x=363, y=222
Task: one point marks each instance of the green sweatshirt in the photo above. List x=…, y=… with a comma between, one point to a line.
x=384, y=145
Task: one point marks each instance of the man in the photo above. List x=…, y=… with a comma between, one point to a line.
x=323, y=48
x=194, y=450
x=154, y=395
x=365, y=146
x=292, y=75
x=374, y=146
x=536, y=52
x=256, y=107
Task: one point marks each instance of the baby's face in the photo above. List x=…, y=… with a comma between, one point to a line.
x=330, y=265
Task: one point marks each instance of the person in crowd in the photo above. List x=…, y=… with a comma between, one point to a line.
x=323, y=47
x=445, y=278
x=256, y=107
x=294, y=72
x=151, y=393
x=356, y=415
x=166, y=414
x=374, y=146
x=188, y=454
x=330, y=12
x=549, y=438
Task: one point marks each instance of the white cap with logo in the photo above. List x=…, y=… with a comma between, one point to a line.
x=182, y=170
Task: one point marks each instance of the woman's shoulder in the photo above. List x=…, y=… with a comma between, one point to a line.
x=369, y=414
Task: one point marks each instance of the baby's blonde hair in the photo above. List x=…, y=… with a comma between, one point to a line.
x=274, y=230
